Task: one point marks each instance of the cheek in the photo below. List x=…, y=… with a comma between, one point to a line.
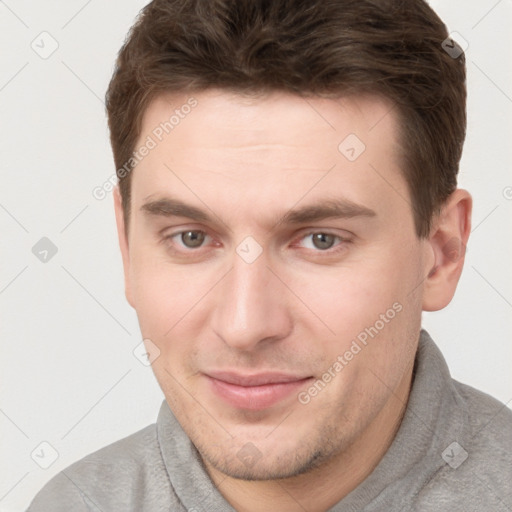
x=350, y=298
x=166, y=298
x=369, y=302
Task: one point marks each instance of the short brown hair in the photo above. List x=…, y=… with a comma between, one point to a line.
x=392, y=48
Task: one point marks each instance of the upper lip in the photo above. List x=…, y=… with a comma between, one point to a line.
x=257, y=379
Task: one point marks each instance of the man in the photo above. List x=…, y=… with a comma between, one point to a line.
x=287, y=207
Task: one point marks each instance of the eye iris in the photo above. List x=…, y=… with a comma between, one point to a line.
x=192, y=238
x=323, y=240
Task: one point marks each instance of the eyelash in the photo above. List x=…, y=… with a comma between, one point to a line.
x=331, y=250
x=339, y=246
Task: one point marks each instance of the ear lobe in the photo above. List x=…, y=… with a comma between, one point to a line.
x=448, y=240
x=123, y=242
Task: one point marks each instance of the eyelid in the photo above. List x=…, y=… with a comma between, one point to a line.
x=182, y=228
x=343, y=235
x=340, y=245
x=167, y=236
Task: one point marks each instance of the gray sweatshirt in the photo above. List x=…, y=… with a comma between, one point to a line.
x=452, y=452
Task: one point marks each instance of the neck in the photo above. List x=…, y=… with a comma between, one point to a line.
x=323, y=487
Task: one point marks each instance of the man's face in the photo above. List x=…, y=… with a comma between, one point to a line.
x=277, y=271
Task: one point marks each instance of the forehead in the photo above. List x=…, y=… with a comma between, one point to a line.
x=222, y=147
x=274, y=118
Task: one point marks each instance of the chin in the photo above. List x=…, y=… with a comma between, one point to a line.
x=249, y=463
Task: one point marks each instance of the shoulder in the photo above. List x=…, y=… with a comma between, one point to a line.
x=487, y=416
x=476, y=476
x=490, y=436
x=128, y=474
x=490, y=432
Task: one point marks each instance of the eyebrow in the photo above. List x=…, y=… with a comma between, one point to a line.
x=168, y=207
x=330, y=209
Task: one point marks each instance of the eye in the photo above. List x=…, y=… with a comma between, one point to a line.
x=320, y=241
x=190, y=239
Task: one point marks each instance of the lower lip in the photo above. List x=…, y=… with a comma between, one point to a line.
x=255, y=398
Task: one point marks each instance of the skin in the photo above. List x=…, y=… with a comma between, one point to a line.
x=248, y=162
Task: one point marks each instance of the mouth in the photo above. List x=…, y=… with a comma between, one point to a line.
x=254, y=392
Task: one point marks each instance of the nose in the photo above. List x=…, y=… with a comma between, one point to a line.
x=251, y=306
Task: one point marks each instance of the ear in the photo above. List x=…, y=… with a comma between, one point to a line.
x=123, y=243
x=447, y=240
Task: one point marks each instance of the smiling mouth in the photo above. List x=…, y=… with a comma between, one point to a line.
x=254, y=392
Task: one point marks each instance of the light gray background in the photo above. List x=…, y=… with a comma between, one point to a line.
x=68, y=373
